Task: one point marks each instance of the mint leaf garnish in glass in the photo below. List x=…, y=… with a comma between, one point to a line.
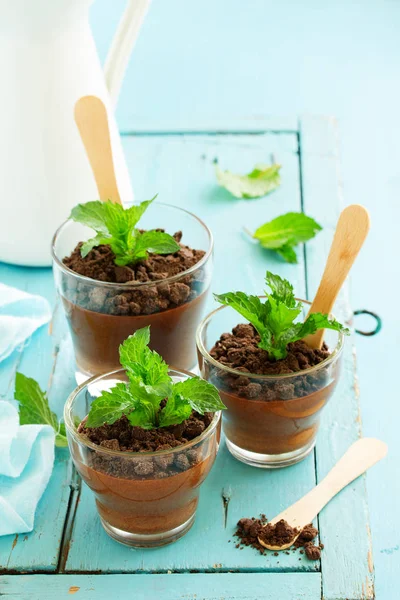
x=115, y=226
x=151, y=398
x=274, y=319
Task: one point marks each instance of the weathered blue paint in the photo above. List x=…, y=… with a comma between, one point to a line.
x=180, y=168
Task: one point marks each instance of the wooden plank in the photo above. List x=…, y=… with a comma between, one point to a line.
x=181, y=170
x=347, y=567
x=268, y=586
x=38, y=550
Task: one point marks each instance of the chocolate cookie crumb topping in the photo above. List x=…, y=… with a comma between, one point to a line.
x=239, y=350
x=136, y=300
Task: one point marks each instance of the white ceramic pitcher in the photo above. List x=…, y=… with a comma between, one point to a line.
x=48, y=60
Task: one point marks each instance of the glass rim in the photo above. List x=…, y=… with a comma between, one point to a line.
x=72, y=429
x=136, y=284
x=204, y=352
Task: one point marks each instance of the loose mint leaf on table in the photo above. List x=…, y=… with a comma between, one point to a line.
x=262, y=180
x=34, y=407
x=115, y=226
x=288, y=254
x=285, y=232
x=274, y=319
x=150, y=385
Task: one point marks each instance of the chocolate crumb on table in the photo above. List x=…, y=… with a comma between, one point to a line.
x=279, y=534
x=248, y=531
x=312, y=552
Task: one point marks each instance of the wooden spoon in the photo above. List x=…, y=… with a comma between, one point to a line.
x=359, y=457
x=91, y=119
x=351, y=231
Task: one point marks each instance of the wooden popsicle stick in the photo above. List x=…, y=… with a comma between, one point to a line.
x=351, y=230
x=91, y=119
x=361, y=455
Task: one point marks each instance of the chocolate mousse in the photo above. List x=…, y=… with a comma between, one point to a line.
x=157, y=490
x=278, y=414
x=152, y=292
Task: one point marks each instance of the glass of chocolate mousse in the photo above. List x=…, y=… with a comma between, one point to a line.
x=273, y=406
x=104, y=303
x=146, y=483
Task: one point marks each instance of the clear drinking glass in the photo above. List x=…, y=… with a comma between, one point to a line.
x=99, y=316
x=272, y=421
x=144, y=499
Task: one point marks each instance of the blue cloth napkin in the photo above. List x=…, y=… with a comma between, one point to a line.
x=27, y=451
x=26, y=463
x=20, y=315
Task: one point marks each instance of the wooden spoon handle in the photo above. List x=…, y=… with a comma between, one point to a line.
x=351, y=231
x=359, y=457
x=91, y=119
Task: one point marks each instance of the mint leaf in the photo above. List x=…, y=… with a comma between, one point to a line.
x=149, y=393
x=135, y=212
x=141, y=362
x=190, y=394
x=274, y=319
x=175, y=411
x=90, y=244
x=202, y=396
x=110, y=406
x=34, y=407
x=281, y=289
x=317, y=321
x=143, y=416
x=285, y=232
x=115, y=226
x=156, y=242
x=287, y=253
x=262, y=180
x=91, y=214
x=250, y=307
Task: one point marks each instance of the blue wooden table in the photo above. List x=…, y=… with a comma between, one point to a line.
x=69, y=553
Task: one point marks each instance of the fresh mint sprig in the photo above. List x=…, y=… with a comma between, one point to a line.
x=285, y=232
x=115, y=226
x=34, y=408
x=262, y=180
x=274, y=318
x=149, y=385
